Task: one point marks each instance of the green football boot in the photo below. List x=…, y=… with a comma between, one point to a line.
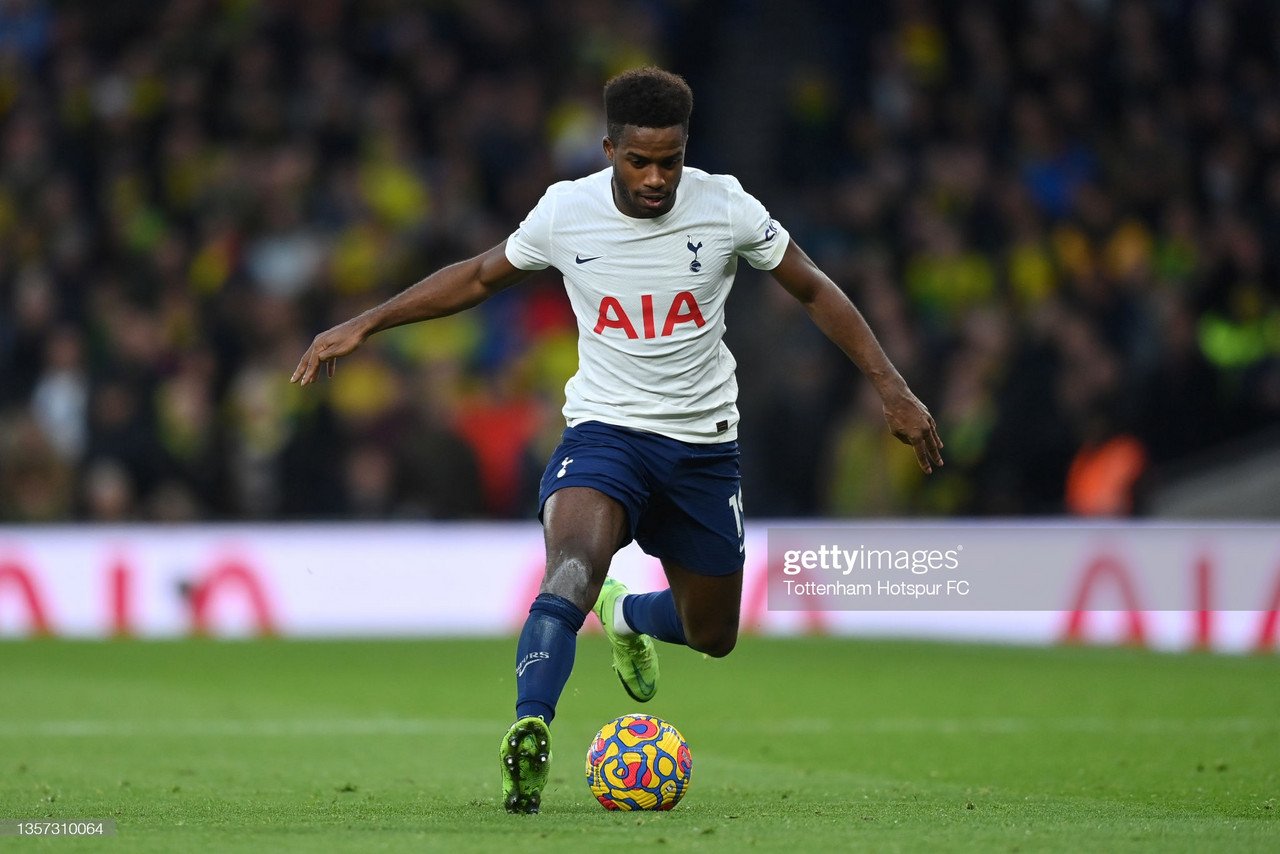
x=634, y=657
x=526, y=763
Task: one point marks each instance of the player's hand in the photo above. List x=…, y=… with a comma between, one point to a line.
x=327, y=347
x=909, y=420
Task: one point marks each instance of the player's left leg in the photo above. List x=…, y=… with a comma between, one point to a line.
x=695, y=526
x=634, y=658
x=699, y=611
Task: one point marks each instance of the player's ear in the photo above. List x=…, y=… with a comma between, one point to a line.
x=608, y=148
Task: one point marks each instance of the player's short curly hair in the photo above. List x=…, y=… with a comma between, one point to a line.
x=648, y=98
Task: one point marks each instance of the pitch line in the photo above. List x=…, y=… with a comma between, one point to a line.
x=329, y=727
x=1012, y=725
x=365, y=727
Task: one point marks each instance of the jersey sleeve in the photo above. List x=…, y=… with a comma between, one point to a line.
x=529, y=246
x=757, y=237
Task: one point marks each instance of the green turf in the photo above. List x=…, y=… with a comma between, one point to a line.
x=801, y=745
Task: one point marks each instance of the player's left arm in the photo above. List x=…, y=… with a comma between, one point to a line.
x=839, y=319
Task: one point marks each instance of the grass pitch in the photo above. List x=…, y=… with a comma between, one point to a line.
x=798, y=745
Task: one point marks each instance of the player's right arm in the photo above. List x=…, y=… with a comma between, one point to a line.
x=447, y=291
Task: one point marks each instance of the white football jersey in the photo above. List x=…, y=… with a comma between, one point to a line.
x=649, y=295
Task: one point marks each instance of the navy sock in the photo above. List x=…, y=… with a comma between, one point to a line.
x=654, y=614
x=544, y=655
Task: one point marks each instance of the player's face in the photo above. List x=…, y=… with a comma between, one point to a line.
x=647, y=165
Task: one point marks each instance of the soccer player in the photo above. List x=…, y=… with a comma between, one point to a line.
x=648, y=249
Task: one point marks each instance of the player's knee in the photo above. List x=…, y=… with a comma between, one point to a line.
x=573, y=577
x=716, y=642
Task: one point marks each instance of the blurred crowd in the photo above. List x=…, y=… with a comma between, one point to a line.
x=1061, y=217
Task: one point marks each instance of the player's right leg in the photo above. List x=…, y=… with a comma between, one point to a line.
x=525, y=754
x=611, y=464
x=582, y=528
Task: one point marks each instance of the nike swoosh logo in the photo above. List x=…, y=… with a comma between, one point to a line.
x=646, y=686
x=579, y=259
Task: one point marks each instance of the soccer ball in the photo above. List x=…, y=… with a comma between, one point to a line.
x=638, y=762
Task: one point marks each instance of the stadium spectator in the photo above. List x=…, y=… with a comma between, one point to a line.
x=185, y=186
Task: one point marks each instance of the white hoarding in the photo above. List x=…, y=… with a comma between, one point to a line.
x=316, y=580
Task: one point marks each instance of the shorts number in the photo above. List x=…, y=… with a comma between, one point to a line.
x=735, y=504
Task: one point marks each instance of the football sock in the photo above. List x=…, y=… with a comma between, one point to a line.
x=544, y=654
x=621, y=627
x=654, y=614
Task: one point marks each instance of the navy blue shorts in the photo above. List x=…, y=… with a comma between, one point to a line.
x=683, y=500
